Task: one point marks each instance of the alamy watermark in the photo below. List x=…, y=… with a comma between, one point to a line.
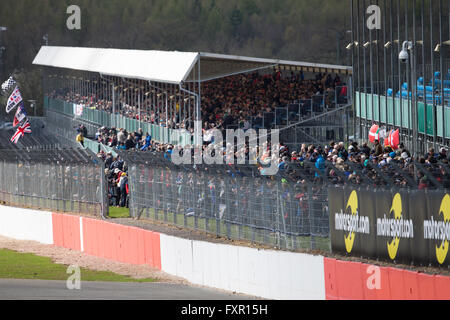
x=74, y=281
x=74, y=20
x=374, y=20
x=374, y=280
x=260, y=151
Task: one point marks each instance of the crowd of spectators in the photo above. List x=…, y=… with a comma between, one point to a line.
x=242, y=100
x=116, y=173
x=235, y=100
x=372, y=165
x=338, y=162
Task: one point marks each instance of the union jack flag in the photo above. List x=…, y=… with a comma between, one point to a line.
x=14, y=100
x=25, y=128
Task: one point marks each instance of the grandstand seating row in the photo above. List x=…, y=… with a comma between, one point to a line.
x=425, y=92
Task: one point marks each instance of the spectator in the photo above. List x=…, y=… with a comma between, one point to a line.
x=148, y=140
x=123, y=181
x=377, y=149
x=442, y=154
x=117, y=164
x=80, y=138
x=121, y=137
x=423, y=184
x=129, y=143
x=109, y=159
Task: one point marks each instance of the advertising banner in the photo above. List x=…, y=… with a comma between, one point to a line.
x=350, y=221
x=406, y=227
x=436, y=229
x=395, y=229
x=418, y=208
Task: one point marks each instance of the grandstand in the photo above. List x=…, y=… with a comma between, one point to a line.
x=163, y=91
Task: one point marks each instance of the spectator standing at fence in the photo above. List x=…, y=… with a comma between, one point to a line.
x=116, y=180
x=109, y=159
x=83, y=130
x=117, y=164
x=423, y=184
x=123, y=181
x=80, y=138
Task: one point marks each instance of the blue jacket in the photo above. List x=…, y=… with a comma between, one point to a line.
x=320, y=164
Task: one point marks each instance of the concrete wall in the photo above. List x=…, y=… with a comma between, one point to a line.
x=263, y=273
x=24, y=224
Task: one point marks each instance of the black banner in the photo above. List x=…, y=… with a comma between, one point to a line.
x=351, y=218
x=437, y=228
x=398, y=227
x=420, y=252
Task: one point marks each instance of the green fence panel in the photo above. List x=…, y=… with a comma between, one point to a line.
x=421, y=114
x=390, y=107
x=92, y=145
x=400, y=110
x=383, y=104
x=158, y=133
x=46, y=102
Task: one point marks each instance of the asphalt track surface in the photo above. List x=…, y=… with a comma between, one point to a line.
x=57, y=290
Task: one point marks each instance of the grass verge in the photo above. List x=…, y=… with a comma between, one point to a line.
x=16, y=265
x=115, y=212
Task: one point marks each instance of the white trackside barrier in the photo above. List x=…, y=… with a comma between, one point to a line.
x=263, y=273
x=26, y=224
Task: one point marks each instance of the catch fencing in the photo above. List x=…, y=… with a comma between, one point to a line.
x=288, y=210
x=235, y=202
x=67, y=180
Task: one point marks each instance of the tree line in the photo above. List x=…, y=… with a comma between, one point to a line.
x=302, y=30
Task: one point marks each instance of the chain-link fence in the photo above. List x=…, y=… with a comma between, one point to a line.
x=289, y=210
x=235, y=202
x=68, y=180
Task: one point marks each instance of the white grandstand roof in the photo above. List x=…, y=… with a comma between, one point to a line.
x=159, y=66
x=166, y=66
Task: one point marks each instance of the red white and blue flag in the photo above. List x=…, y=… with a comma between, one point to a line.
x=25, y=128
x=20, y=115
x=14, y=100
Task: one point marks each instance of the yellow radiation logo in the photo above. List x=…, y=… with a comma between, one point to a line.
x=353, y=205
x=441, y=252
x=397, y=210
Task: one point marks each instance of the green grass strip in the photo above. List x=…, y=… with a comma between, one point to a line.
x=115, y=212
x=16, y=265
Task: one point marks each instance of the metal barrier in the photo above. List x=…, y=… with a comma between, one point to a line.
x=289, y=210
x=235, y=202
x=98, y=118
x=68, y=180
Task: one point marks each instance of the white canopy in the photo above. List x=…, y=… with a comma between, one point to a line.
x=160, y=66
x=167, y=66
